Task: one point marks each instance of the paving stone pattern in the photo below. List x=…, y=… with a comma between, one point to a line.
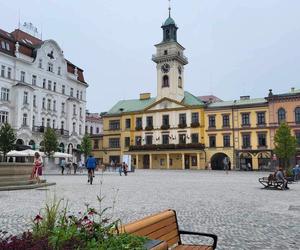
x=233, y=206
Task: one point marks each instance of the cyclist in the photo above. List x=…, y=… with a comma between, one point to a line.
x=91, y=165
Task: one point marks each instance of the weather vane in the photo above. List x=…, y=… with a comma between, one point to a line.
x=169, y=8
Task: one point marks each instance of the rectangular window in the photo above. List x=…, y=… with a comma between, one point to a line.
x=97, y=130
x=165, y=139
x=3, y=44
x=149, y=139
x=74, y=109
x=48, y=123
x=63, y=107
x=138, y=140
x=261, y=120
x=2, y=71
x=34, y=80
x=44, y=103
x=24, y=120
x=211, y=121
x=182, y=139
x=297, y=135
x=49, y=104
x=96, y=144
x=25, y=97
x=50, y=67
x=128, y=123
x=195, y=117
x=226, y=141
x=40, y=63
x=246, y=141
x=182, y=119
x=246, y=119
x=127, y=141
x=59, y=71
x=91, y=130
x=54, y=105
x=165, y=120
x=212, y=141
x=54, y=86
x=71, y=92
x=22, y=78
x=195, y=138
x=3, y=117
x=77, y=94
x=262, y=139
x=44, y=83
x=226, y=122
x=80, y=112
x=114, y=124
x=139, y=123
x=149, y=121
x=9, y=73
x=49, y=85
x=63, y=89
x=4, y=94
x=34, y=101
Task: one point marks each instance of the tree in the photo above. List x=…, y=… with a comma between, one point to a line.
x=285, y=144
x=86, y=145
x=50, y=142
x=7, y=139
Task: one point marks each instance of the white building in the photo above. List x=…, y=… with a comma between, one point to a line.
x=93, y=123
x=40, y=88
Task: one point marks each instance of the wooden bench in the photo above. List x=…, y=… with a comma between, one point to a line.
x=164, y=226
x=270, y=183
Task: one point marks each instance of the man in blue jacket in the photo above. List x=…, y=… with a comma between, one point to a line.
x=91, y=164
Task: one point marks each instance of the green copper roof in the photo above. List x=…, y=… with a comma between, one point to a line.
x=169, y=21
x=135, y=105
x=238, y=103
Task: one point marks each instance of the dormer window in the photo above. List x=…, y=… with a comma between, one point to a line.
x=50, y=67
x=165, y=83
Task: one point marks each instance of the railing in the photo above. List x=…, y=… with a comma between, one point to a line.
x=58, y=131
x=181, y=57
x=158, y=147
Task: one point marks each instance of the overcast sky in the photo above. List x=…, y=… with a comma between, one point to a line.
x=235, y=47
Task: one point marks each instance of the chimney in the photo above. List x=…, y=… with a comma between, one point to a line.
x=145, y=96
x=245, y=97
x=292, y=89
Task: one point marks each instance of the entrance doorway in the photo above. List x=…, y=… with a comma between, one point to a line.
x=187, y=161
x=217, y=161
x=146, y=161
x=246, y=162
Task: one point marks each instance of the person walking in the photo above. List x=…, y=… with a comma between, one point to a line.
x=62, y=165
x=80, y=166
x=225, y=162
x=121, y=169
x=125, y=169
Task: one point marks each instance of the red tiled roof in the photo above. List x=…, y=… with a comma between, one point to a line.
x=27, y=44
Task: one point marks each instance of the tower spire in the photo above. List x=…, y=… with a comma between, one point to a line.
x=169, y=8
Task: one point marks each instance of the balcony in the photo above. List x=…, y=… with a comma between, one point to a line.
x=195, y=125
x=162, y=147
x=58, y=131
x=138, y=128
x=149, y=127
x=182, y=125
x=165, y=126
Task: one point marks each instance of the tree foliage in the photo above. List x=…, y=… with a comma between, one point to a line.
x=86, y=145
x=50, y=143
x=285, y=143
x=7, y=139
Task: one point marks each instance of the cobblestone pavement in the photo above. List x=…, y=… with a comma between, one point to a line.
x=233, y=206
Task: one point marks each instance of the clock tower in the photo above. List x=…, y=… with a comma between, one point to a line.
x=170, y=61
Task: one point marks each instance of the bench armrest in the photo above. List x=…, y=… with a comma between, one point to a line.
x=215, y=237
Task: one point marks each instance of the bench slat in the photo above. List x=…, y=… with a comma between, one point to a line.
x=155, y=227
x=163, y=231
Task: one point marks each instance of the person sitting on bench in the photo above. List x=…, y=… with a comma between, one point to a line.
x=280, y=177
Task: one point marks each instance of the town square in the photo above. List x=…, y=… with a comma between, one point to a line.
x=149, y=125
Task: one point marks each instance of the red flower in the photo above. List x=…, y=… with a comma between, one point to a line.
x=38, y=218
x=85, y=218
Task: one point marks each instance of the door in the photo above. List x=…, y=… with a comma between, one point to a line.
x=146, y=161
x=187, y=162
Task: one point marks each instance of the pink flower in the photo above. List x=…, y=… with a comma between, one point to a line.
x=38, y=218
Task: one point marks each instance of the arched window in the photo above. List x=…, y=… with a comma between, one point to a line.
x=297, y=115
x=25, y=119
x=167, y=34
x=281, y=115
x=179, y=82
x=165, y=82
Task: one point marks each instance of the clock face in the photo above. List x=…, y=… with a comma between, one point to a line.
x=165, y=68
x=179, y=70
